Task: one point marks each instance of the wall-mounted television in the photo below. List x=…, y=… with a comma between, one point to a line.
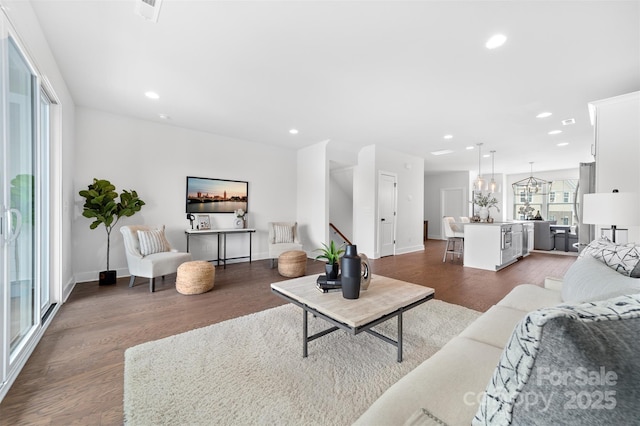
x=206, y=195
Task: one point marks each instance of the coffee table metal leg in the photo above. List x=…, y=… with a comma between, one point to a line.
x=304, y=333
x=400, y=337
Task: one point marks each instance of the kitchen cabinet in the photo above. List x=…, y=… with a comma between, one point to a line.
x=492, y=246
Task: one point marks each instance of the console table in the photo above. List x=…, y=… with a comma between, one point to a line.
x=223, y=232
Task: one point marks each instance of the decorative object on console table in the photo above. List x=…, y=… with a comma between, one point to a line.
x=204, y=223
x=101, y=206
x=619, y=208
x=331, y=254
x=241, y=217
x=351, y=273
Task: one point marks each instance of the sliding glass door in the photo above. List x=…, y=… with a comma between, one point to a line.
x=19, y=183
x=24, y=198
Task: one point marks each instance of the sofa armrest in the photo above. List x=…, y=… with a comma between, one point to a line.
x=553, y=283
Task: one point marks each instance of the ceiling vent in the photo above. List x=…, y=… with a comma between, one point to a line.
x=148, y=9
x=568, y=121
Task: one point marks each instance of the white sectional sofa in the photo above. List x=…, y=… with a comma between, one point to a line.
x=449, y=388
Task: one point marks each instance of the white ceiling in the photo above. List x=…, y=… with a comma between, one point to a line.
x=394, y=73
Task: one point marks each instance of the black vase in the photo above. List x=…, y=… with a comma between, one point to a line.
x=351, y=270
x=331, y=269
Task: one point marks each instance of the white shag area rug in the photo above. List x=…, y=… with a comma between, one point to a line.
x=250, y=370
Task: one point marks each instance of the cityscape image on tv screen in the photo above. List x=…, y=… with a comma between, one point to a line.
x=205, y=195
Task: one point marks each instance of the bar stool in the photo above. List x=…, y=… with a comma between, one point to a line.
x=454, y=235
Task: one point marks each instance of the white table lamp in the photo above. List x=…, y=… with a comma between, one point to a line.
x=615, y=208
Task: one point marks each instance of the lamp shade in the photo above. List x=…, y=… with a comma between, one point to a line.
x=611, y=208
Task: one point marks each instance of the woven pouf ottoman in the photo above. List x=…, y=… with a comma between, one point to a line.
x=195, y=277
x=292, y=263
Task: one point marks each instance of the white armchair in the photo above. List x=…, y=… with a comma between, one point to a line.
x=283, y=236
x=152, y=256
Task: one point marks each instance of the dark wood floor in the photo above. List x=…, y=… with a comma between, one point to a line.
x=75, y=375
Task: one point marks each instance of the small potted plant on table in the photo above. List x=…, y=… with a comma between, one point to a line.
x=331, y=254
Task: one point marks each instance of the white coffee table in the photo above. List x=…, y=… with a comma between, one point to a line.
x=386, y=298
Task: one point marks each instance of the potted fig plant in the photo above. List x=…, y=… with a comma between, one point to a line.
x=102, y=205
x=331, y=254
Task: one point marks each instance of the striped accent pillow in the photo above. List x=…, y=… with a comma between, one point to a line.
x=283, y=234
x=152, y=242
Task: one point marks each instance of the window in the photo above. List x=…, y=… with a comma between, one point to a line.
x=556, y=204
x=524, y=198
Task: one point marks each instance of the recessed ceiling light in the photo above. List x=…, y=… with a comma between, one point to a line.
x=563, y=144
x=152, y=95
x=568, y=121
x=164, y=116
x=293, y=131
x=442, y=152
x=486, y=156
x=555, y=132
x=496, y=41
x=448, y=136
x=544, y=115
x=469, y=148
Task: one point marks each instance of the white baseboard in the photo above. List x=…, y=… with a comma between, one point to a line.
x=83, y=277
x=67, y=289
x=411, y=249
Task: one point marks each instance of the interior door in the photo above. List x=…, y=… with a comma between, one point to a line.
x=387, y=188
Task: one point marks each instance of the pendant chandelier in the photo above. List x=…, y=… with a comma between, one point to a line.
x=479, y=182
x=532, y=185
x=492, y=184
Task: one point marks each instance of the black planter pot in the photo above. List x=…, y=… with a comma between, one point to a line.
x=331, y=270
x=351, y=270
x=107, y=277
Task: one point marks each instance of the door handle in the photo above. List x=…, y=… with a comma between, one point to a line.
x=18, y=225
x=382, y=220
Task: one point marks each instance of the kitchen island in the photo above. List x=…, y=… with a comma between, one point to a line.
x=492, y=246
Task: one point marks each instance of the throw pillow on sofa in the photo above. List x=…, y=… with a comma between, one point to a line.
x=569, y=365
x=588, y=280
x=622, y=258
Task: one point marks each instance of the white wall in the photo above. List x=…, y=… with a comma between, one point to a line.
x=410, y=202
x=341, y=200
x=154, y=159
x=313, y=196
x=618, y=148
x=365, y=202
x=433, y=183
x=410, y=199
